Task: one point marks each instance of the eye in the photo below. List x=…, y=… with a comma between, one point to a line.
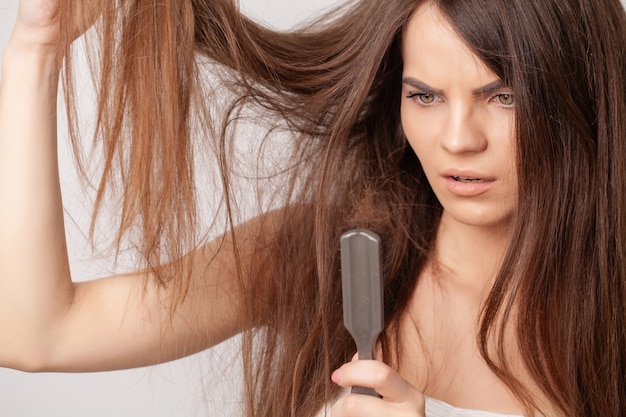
x=506, y=99
x=423, y=98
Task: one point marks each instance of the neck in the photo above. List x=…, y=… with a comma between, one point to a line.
x=468, y=257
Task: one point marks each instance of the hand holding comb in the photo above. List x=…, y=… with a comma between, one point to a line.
x=362, y=290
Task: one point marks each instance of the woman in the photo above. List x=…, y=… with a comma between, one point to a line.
x=481, y=139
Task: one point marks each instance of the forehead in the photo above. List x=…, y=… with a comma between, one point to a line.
x=433, y=51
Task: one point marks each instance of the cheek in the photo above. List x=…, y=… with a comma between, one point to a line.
x=414, y=131
x=499, y=127
x=408, y=125
x=508, y=150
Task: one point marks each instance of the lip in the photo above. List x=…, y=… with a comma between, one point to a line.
x=468, y=189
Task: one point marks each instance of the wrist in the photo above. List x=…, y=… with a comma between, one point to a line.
x=41, y=43
x=24, y=59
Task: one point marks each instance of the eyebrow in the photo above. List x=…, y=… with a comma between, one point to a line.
x=485, y=89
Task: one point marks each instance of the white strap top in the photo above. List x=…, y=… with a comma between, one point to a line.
x=437, y=408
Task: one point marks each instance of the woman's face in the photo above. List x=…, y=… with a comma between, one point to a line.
x=459, y=119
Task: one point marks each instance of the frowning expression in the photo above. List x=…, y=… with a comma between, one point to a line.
x=459, y=118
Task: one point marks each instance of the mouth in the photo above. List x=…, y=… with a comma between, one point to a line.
x=469, y=185
x=467, y=179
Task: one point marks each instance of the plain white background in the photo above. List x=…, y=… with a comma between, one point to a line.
x=201, y=385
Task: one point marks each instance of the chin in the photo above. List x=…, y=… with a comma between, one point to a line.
x=482, y=218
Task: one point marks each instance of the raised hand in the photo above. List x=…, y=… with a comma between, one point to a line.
x=38, y=21
x=399, y=398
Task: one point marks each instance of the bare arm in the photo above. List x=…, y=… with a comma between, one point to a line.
x=113, y=323
x=46, y=321
x=32, y=244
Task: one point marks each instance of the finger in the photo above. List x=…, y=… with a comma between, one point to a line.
x=380, y=377
x=354, y=405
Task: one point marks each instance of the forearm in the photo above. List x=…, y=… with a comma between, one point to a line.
x=35, y=285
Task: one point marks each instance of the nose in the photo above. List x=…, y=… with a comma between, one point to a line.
x=463, y=131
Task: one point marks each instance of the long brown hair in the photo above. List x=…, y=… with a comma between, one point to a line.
x=335, y=84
